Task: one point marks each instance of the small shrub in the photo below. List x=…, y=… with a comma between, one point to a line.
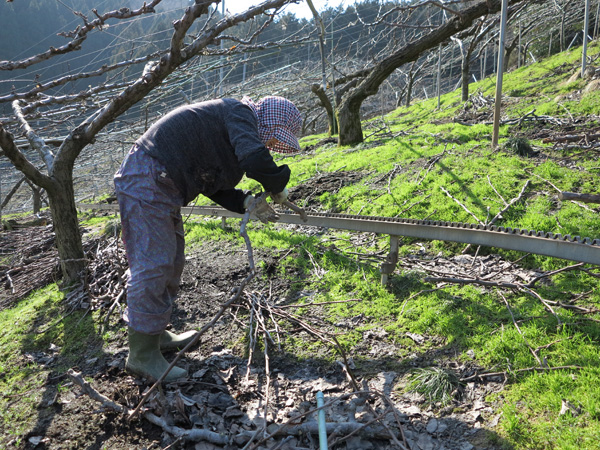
x=519, y=146
x=435, y=383
x=112, y=228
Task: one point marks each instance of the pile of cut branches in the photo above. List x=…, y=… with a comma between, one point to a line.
x=29, y=262
x=104, y=283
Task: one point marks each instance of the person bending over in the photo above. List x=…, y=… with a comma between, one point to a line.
x=202, y=148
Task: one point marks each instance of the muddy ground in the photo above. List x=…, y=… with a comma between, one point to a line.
x=228, y=398
x=223, y=397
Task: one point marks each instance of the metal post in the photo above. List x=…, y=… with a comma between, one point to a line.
x=439, y=76
x=334, y=93
x=244, y=70
x=485, y=57
x=388, y=267
x=585, y=37
x=519, y=53
x=500, y=74
x=596, y=24
x=222, y=59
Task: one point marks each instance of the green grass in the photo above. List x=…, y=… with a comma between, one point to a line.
x=407, y=175
x=38, y=327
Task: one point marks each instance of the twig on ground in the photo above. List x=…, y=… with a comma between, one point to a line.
x=554, y=272
x=543, y=179
x=453, y=280
x=461, y=205
x=544, y=347
x=497, y=193
x=544, y=302
x=512, y=202
x=519, y=330
x=515, y=371
x=111, y=309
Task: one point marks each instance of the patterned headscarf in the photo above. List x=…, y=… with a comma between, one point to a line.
x=277, y=118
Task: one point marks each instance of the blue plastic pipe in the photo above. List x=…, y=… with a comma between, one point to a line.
x=321, y=421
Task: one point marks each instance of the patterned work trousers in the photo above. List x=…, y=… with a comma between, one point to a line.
x=152, y=229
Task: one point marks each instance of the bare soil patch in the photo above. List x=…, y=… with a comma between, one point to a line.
x=227, y=397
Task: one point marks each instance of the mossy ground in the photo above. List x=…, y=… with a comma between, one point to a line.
x=414, y=174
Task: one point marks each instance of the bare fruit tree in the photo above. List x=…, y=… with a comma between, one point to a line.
x=348, y=112
x=104, y=102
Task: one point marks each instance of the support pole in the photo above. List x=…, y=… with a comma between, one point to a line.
x=321, y=422
x=388, y=267
x=439, y=77
x=585, y=37
x=500, y=74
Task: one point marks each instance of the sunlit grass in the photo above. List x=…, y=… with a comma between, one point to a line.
x=38, y=325
x=427, y=166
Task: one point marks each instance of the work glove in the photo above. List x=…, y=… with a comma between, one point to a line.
x=280, y=197
x=259, y=209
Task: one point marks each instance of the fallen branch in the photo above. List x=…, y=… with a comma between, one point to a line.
x=93, y=394
x=515, y=371
x=473, y=281
x=545, y=303
x=585, y=198
x=497, y=193
x=571, y=138
x=461, y=205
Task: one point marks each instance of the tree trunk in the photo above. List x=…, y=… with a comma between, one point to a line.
x=37, y=200
x=409, y=88
x=350, y=126
x=464, y=67
x=412, y=75
x=37, y=196
x=66, y=228
x=350, y=131
x=325, y=103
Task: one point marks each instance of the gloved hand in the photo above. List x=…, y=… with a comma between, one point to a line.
x=280, y=197
x=260, y=209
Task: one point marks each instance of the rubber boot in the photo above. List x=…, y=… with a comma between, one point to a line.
x=146, y=360
x=172, y=341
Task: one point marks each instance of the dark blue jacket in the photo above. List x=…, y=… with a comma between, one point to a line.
x=207, y=147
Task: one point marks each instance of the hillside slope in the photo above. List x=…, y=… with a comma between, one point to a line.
x=474, y=347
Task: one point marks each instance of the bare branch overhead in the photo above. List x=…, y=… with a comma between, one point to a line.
x=79, y=35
